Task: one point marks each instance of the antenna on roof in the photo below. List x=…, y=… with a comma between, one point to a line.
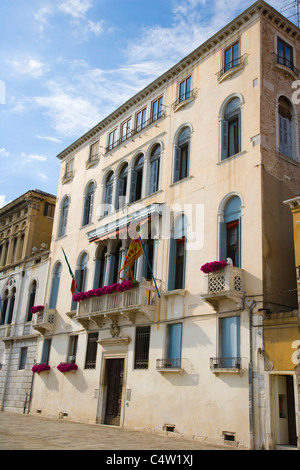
x=292, y=11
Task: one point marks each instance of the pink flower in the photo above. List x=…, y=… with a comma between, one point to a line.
x=106, y=290
x=36, y=309
x=213, y=266
x=66, y=367
x=40, y=368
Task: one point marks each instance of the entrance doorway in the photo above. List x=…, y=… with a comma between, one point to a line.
x=284, y=410
x=114, y=381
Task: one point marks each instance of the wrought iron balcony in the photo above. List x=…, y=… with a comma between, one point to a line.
x=44, y=320
x=168, y=364
x=131, y=133
x=231, y=67
x=141, y=299
x=226, y=283
x=284, y=62
x=225, y=364
x=184, y=99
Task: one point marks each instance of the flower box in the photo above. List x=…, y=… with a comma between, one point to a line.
x=213, y=266
x=37, y=309
x=117, y=287
x=38, y=368
x=67, y=367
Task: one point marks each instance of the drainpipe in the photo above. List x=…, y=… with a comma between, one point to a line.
x=250, y=304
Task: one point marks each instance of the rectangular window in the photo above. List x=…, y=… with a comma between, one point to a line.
x=185, y=89
x=174, y=345
x=72, y=349
x=94, y=152
x=46, y=351
x=126, y=129
x=141, y=119
x=142, y=342
x=230, y=342
x=49, y=210
x=112, y=139
x=91, y=351
x=285, y=54
x=231, y=56
x=23, y=357
x=157, y=108
x=69, y=168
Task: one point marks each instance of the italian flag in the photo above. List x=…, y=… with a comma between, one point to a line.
x=73, y=283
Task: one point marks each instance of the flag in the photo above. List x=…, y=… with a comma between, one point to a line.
x=73, y=283
x=135, y=250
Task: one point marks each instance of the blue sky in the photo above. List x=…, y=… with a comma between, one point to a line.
x=66, y=64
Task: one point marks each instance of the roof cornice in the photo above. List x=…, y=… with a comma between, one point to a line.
x=260, y=7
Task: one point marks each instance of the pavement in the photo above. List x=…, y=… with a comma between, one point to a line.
x=27, y=432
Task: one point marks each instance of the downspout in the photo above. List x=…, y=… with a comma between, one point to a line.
x=250, y=304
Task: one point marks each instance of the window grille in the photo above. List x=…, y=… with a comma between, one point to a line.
x=142, y=342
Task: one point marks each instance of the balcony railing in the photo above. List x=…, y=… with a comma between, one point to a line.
x=286, y=63
x=44, y=320
x=220, y=365
x=168, y=364
x=183, y=99
x=226, y=283
x=232, y=66
x=130, y=134
x=139, y=299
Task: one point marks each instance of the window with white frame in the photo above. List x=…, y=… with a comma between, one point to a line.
x=108, y=193
x=113, y=139
x=231, y=129
x=141, y=118
x=182, y=155
x=63, y=216
x=88, y=204
x=154, y=168
x=137, y=179
x=122, y=187
x=126, y=129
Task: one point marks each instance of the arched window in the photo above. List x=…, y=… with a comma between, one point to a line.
x=182, y=152
x=80, y=276
x=4, y=307
x=231, y=231
x=31, y=300
x=285, y=124
x=55, y=286
x=231, y=129
x=177, y=254
x=108, y=192
x=11, y=306
x=115, y=263
x=154, y=169
x=137, y=179
x=100, y=269
x=63, y=216
x=88, y=204
x=122, y=187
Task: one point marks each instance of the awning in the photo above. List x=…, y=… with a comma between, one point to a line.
x=120, y=231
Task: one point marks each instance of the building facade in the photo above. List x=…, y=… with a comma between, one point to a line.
x=200, y=161
x=25, y=237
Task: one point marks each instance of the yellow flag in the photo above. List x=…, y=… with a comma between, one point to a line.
x=135, y=250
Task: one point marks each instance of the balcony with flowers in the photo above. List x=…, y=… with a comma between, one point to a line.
x=222, y=281
x=43, y=319
x=124, y=299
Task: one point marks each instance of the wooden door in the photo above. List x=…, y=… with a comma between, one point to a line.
x=114, y=378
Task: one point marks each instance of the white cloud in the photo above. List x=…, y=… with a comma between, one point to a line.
x=3, y=152
x=30, y=66
x=75, y=8
x=42, y=176
x=2, y=200
x=29, y=158
x=50, y=139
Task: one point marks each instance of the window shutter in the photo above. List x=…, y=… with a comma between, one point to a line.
x=175, y=343
x=223, y=242
x=154, y=176
x=108, y=196
x=54, y=290
x=133, y=186
x=177, y=164
x=97, y=274
x=224, y=139
x=112, y=261
x=86, y=211
x=172, y=261
x=120, y=193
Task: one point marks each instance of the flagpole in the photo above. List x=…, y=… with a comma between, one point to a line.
x=70, y=270
x=147, y=259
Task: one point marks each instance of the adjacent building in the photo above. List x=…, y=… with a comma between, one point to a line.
x=25, y=237
x=200, y=161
